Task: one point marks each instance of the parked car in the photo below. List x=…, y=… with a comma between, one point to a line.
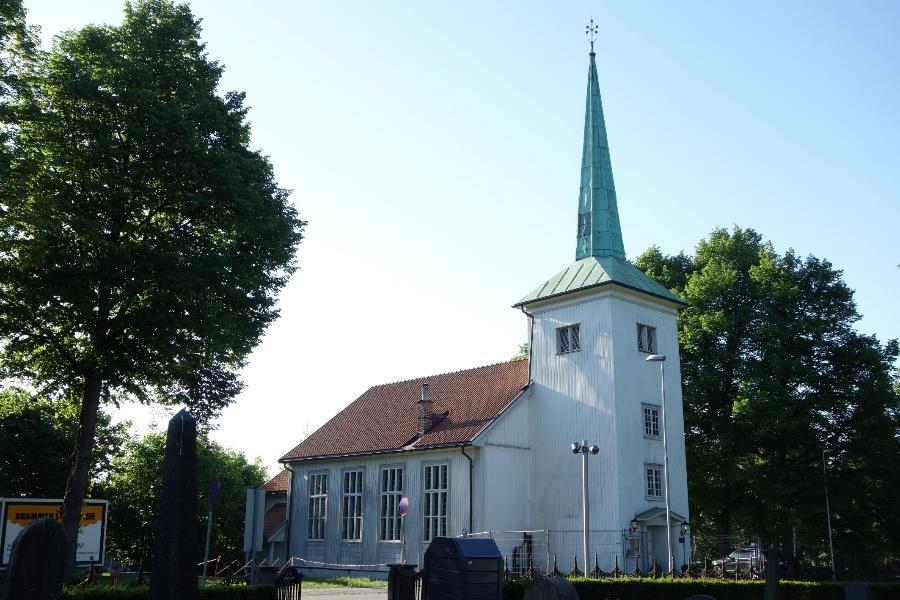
x=745, y=562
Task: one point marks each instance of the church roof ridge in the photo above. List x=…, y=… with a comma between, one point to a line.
x=425, y=378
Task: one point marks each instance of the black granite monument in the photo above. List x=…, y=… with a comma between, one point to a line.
x=174, y=575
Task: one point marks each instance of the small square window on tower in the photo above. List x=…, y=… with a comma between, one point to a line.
x=646, y=338
x=568, y=338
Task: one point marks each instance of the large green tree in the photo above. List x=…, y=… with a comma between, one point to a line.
x=775, y=374
x=133, y=492
x=36, y=433
x=144, y=242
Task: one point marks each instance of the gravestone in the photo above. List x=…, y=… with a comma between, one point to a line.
x=38, y=562
x=550, y=588
x=174, y=574
x=857, y=590
x=771, y=589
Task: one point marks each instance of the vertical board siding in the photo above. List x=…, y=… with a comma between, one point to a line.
x=595, y=394
x=370, y=550
x=573, y=400
x=637, y=382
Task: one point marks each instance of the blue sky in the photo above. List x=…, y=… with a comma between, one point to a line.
x=434, y=149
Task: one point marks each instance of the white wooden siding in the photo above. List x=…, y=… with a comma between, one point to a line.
x=370, y=550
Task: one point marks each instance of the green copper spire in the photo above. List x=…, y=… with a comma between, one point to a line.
x=599, y=233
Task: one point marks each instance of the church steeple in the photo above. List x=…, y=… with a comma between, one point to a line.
x=599, y=232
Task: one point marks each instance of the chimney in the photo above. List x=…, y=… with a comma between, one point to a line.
x=426, y=411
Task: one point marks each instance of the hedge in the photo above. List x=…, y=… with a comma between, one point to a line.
x=679, y=589
x=216, y=592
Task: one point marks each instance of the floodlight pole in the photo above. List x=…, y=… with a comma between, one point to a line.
x=585, y=505
x=661, y=359
x=828, y=514
x=584, y=450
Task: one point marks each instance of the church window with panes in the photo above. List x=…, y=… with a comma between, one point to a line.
x=654, y=481
x=435, y=509
x=646, y=338
x=651, y=420
x=318, y=506
x=351, y=506
x=568, y=338
x=391, y=492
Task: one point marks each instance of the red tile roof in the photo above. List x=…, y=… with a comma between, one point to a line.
x=279, y=483
x=273, y=519
x=385, y=417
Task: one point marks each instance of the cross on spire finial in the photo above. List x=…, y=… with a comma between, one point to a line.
x=591, y=32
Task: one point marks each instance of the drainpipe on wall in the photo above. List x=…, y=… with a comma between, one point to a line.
x=471, y=468
x=530, y=337
x=290, y=512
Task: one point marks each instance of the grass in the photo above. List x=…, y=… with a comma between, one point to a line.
x=343, y=582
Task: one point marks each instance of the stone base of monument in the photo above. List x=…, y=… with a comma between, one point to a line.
x=37, y=564
x=550, y=588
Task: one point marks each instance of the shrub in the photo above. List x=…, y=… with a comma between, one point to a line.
x=217, y=592
x=678, y=589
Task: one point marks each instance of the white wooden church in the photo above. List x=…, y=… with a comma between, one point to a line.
x=489, y=449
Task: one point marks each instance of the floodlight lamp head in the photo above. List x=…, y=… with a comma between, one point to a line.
x=656, y=358
x=576, y=448
x=595, y=450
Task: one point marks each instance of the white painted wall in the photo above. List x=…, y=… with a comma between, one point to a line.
x=370, y=550
x=595, y=394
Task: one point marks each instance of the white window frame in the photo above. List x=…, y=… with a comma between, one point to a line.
x=646, y=338
x=391, y=481
x=353, y=483
x=435, y=500
x=650, y=422
x=653, y=481
x=317, y=490
x=568, y=338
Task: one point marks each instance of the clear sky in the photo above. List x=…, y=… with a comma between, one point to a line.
x=434, y=149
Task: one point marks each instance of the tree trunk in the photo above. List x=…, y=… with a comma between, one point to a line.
x=723, y=527
x=76, y=486
x=786, y=532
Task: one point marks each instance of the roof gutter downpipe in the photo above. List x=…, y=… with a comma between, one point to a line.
x=471, y=470
x=530, y=337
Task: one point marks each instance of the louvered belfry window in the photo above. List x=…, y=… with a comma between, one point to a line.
x=391, y=492
x=318, y=506
x=568, y=338
x=351, y=506
x=435, y=501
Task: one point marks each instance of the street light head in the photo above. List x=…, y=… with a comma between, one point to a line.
x=576, y=448
x=595, y=450
x=684, y=527
x=633, y=525
x=656, y=358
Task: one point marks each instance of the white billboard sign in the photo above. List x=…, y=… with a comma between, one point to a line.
x=19, y=513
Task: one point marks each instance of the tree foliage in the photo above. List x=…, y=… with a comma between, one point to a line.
x=35, y=436
x=775, y=374
x=142, y=240
x=133, y=492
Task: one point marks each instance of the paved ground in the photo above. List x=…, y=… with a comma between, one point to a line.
x=347, y=593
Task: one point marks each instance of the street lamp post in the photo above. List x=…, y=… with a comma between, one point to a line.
x=583, y=449
x=661, y=359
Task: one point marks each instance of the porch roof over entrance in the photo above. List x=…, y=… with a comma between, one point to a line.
x=657, y=513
